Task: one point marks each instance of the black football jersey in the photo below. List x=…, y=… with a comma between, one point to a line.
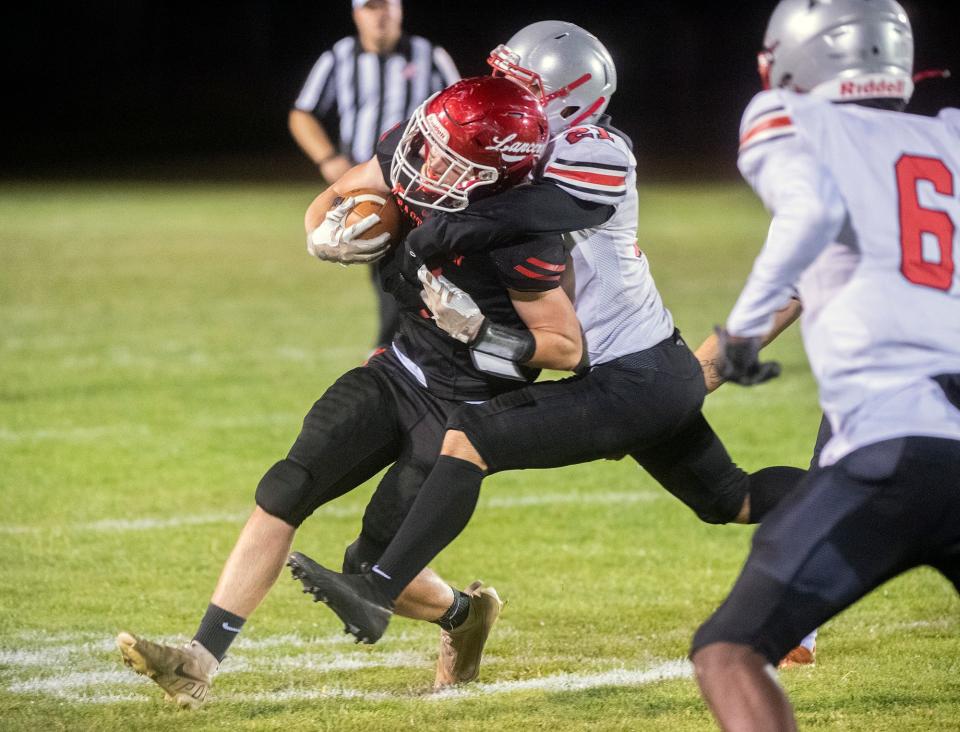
x=439, y=362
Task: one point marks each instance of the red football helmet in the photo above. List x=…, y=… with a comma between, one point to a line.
x=478, y=132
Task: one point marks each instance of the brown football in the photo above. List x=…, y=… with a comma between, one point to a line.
x=371, y=201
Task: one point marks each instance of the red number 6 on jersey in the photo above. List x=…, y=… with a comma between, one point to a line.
x=915, y=221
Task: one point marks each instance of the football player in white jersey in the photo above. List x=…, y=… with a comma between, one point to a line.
x=643, y=390
x=866, y=208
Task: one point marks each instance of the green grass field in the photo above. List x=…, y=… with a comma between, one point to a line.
x=159, y=346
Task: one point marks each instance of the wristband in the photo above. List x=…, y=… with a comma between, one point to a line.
x=327, y=159
x=507, y=343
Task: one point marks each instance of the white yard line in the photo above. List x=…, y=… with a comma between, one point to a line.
x=80, y=672
x=677, y=669
x=74, y=434
x=555, y=683
x=83, y=687
x=74, y=681
x=112, y=525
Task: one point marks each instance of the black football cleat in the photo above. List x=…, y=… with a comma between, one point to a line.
x=353, y=597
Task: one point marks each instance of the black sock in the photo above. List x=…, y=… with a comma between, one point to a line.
x=440, y=512
x=769, y=486
x=457, y=613
x=217, y=630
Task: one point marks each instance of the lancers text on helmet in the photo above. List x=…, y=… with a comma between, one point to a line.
x=506, y=145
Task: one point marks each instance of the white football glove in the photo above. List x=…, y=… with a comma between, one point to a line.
x=454, y=310
x=332, y=242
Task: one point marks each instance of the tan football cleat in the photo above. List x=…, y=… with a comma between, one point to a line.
x=799, y=656
x=462, y=647
x=183, y=672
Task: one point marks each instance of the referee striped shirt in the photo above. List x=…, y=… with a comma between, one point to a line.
x=372, y=93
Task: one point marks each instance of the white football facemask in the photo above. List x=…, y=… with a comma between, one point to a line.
x=427, y=172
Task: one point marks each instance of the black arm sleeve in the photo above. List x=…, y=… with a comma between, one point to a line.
x=533, y=265
x=497, y=221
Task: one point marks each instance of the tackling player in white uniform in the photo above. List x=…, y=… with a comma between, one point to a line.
x=866, y=206
x=641, y=393
x=617, y=301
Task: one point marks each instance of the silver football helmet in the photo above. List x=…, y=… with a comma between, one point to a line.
x=842, y=50
x=570, y=71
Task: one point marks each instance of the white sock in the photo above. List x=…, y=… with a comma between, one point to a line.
x=810, y=641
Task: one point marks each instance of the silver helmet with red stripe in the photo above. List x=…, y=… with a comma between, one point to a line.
x=570, y=71
x=842, y=50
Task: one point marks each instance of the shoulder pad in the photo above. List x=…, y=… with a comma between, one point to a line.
x=766, y=118
x=590, y=163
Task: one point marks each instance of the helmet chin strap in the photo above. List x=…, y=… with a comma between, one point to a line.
x=588, y=112
x=931, y=74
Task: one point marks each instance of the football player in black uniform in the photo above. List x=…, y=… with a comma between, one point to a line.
x=479, y=135
x=644, y=390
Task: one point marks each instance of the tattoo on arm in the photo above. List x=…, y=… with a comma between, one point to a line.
x=711, y=373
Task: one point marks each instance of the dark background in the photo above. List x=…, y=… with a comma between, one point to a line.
x=202, y=89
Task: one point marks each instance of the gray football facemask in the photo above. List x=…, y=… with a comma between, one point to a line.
x=842, y=50
x=569, y=69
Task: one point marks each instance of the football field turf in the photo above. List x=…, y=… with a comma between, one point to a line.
x=159, y=346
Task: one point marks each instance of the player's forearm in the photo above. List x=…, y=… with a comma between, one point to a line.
x=538, y=348
x=558, y=351
x=783, y=319
x=553, y=325
x=708, y=354
x=310, y=135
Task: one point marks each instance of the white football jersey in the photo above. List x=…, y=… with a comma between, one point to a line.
x=866, y=211
x=615, y=297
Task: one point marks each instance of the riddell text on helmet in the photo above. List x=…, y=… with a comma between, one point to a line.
x=873, y=87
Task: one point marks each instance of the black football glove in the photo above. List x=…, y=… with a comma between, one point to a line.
x=739, y=360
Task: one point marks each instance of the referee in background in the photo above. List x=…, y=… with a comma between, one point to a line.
x=371, y=81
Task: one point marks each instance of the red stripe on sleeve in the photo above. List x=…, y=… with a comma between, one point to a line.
x=536, y=275
x=770, y=124
x=546, y=265
x=596, y=178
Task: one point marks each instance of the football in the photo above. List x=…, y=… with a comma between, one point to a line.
x=371, y=201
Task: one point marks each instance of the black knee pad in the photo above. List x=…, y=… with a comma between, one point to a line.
x=284, y=492
x=361, y=555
